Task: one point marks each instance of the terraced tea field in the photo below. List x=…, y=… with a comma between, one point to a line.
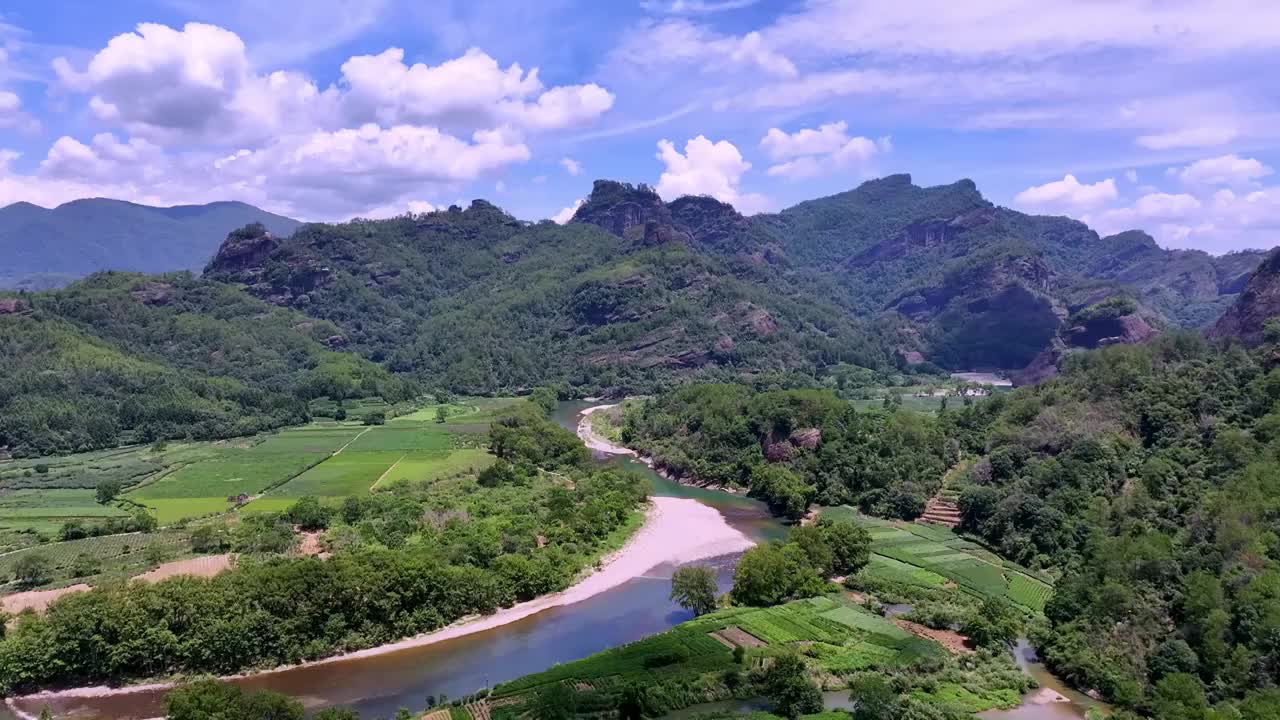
x=110, y=556
x=932, y=555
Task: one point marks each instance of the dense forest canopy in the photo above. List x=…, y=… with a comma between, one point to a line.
x=1145, y=478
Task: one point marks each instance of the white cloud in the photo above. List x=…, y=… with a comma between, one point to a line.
x=1205, y=136
x=706, y=168
x=1067, y=194
x=684, y=45
x=694, y=7
x=1165, y=205
x=1223, y=170
x=571, y=166
x=566, y=214
x=810, y=153
x=1131, y=176
x=193, y=83
x=467, y=91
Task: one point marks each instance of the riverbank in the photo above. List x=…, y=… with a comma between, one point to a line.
x=675, y=531
x=597, y=442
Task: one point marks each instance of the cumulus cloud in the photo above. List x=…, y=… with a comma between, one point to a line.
x=566, y=214
x=193, y=83
x=1067, y=195
x=706, y=168
x=199, y=83
x=810, y=153
x=467, y=91
x=1223, y=170
x=200, y=119
x=694, y=7
x=571, y=166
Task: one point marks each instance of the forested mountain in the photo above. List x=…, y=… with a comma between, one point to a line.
x=633, y=294
x=122, y=357
x=44, y=248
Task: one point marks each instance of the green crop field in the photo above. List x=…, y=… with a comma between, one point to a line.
x=349, y=473
x=838, y=633
x=416, y=466
x=115, y=555
x=932, y=555
x=402, y=437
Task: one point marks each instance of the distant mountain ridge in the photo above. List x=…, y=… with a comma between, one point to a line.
x=43, y=248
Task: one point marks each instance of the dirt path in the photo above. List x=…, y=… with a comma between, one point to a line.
x=37, y=600
x=357, y=437
x=386, y=472
x=954, y=642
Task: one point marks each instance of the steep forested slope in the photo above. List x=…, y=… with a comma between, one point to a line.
x=122, y=357
x=1148, y=476
x=479, y=302
x=44, y=248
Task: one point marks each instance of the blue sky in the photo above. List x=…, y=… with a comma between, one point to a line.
x=1155, y=114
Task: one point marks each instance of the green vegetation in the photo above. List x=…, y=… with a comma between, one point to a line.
x=408, y=560
x=121, y=358
x=94, y=560
x=777, y=652
x=694, y=588
x=792, y=448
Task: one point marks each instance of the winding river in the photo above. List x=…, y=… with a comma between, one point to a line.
x=378, y=685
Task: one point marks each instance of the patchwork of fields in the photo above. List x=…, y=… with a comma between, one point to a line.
x=178, y=481
x=933, y=556
x=839, y=634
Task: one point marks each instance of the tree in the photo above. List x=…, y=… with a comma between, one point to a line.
x=1180, y=697
x=787, y=685
x=875, y=699
x=995, y=624
x=309, y=514
x=336, y=714
x=210, y=538
x=760, y=578
x=694, y=588
x=213, y=700
x=32, y=569
x=108, y=490
x=85, y=565
x=556, y=702
x=377, y=417
x=442, y=413
x=850, y=545
x=631, y=703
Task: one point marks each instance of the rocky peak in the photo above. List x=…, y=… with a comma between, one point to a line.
x=619, y=207
x=1258, y=302
x=244, y=249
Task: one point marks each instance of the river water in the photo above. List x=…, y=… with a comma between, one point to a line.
x=377, y=686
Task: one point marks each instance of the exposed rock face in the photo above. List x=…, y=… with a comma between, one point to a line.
x=807, y=438
x=628, y=211
x=153, y=294
x=923, y=235
x=244, y=249
x=10, y=306
x=248, y=252
x=1257, y=303
x=1100, y=332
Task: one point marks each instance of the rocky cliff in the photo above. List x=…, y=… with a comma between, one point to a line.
x=1258, y=303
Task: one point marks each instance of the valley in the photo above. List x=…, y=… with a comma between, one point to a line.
x=908, y=431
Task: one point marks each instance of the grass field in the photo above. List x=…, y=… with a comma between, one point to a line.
x=416, y=466
x=932, y=555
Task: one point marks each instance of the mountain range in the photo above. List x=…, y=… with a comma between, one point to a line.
x=45, y=248
x=632, y=294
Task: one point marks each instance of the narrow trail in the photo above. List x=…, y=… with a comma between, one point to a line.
x=357, y=437
x=386, y=472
